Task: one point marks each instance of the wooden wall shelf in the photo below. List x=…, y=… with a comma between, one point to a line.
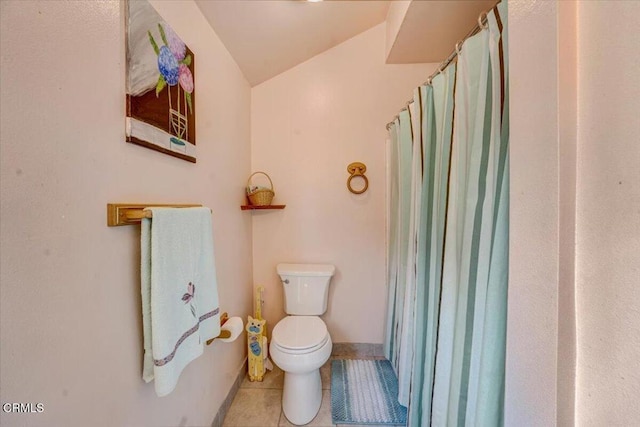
x=254, y=208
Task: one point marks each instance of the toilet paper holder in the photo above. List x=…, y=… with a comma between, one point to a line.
x=223, y=334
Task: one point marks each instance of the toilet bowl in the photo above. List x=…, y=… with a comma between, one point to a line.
x=300, y=345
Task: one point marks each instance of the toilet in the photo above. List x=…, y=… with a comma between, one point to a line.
x=300, y=343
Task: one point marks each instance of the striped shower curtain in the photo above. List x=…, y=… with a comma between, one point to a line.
x=448, y=238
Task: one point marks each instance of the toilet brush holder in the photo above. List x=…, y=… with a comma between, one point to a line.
x=255, y=350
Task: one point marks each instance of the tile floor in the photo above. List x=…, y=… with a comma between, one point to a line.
x=259, y=404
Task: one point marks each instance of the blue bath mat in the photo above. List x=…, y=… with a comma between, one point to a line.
x=365, y=392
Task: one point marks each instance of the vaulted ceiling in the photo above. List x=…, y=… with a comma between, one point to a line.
x=267, y=38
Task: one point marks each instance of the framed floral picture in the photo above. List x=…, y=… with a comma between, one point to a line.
x=160, y=81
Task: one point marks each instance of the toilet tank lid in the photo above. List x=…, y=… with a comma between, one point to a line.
x=306, y=270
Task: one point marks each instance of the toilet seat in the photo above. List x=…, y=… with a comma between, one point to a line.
x=300, y=334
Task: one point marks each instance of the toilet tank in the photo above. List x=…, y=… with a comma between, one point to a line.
x=306, y=288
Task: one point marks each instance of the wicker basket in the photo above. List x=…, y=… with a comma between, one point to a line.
x=260, y=197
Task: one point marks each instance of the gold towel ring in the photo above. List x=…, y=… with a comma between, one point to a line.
x=357, y=169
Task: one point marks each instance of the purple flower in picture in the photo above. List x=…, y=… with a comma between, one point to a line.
x=168, y=66
x=176, y=45
x=173, y=64
x=186, y=78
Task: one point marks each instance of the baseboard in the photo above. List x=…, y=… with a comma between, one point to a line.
x=356, y=350
x=226, y=404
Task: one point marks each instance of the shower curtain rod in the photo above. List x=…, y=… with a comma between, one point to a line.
x=482, y=24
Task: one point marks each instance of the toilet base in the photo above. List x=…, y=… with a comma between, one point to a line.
x=302, y=396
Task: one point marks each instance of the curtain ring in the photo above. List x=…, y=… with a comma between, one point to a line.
x=428, y=82
x=483, y=17
x=459, y=47
x=357, y=169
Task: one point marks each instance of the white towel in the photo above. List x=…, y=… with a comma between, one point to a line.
x=179, y=292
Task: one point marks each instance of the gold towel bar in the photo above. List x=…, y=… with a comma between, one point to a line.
x=130, y=213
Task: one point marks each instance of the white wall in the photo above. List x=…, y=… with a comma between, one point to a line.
x=608, y=214
x=307, y=125
x=567, y=148
x=573, y=351
x=70, y=292
x=532, y=326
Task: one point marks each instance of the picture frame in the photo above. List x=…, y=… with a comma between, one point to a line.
x=160, y=84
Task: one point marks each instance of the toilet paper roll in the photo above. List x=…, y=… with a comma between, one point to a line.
x=235, y=326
